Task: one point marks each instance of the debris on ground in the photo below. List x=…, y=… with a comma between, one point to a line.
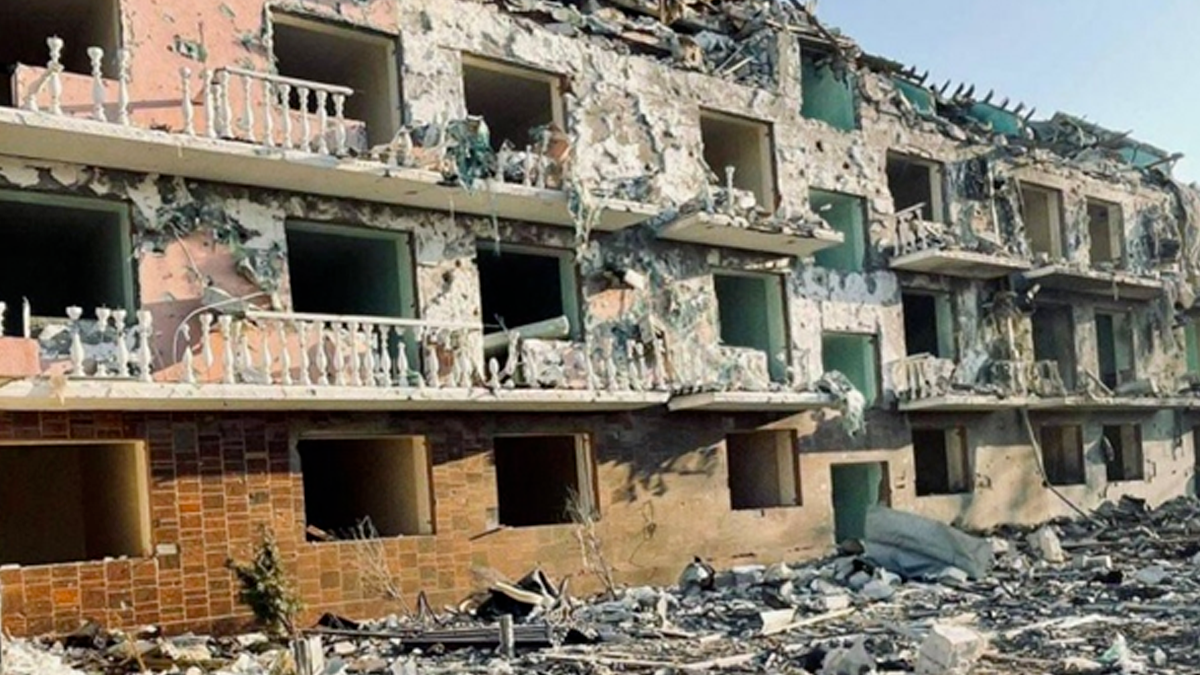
x=1118, y=592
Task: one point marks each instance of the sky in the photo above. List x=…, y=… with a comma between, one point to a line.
x=1124, y=65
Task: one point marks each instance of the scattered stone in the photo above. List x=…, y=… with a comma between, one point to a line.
x=1151, y=576
x=949, y=650
x=1046, y=544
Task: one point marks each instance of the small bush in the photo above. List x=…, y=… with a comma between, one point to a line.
x=266, y=589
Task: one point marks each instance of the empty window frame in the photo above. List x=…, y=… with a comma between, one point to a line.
x=752, y=314
x=1106, y=232
x=1054, y=339
x=522, y=285
x=846, y=214
x=856, y=356
x=541, y=479
x=916, y=182
x=942, y=461
x=79, y=23
x=1122, y=445
x=1041, y=211
x=73, y=502
x=763, y=472
x=746, y=146
x=1114, y=348
x=60, y=252
x=384, y=479
x=1191, y=346
x=828, y=92
x=1062, y=454
x=928, y=324
x=327, y=53
x=348, y=270
x=516, y=102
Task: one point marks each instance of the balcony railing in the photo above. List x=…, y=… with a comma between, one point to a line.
x=922, y=376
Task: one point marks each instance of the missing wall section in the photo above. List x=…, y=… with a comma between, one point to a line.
x=60, y=252
x=828, y=92
x=752, y=315
x=365, y=61
x=1054, y=340
x=73, y=502
x=1114, y=348
x=856, y=356
x=347, y=270
x=1123, y=458
x=746, y=145
x=1041, y=210
x=846, y=214
x=514, y=101
x=942, y=461
x=763, y=472
x=522, y=285
x=1062, y=454
x=855, y=489
x=928, y=324
x=537, y=476
x=1106, y=233
x=347, y=480
x=914, y=182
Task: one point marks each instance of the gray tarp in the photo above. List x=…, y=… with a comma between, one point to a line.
x=915, y=546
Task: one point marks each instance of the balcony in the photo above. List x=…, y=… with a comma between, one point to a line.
x=263, y=360
x=231, y=125
x=1113, y=284
x=925, y=247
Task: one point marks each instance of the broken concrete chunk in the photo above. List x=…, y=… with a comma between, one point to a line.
x=853, y=660
x=1151, y=576
x=949, y=650
x=1046, y=544
x=916, y=546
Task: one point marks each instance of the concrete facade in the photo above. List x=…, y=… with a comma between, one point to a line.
x=643, y=230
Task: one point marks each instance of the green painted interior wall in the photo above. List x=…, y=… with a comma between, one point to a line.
x=854, y=356
x=846, y=214
x=752, y=315
x=826, y=96
x=856, y=488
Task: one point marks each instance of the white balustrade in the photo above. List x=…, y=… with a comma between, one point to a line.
x=922, y=376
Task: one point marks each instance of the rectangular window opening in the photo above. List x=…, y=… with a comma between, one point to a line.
x=1191, y=346
x=1114, y=348
x=747, y=146
x=538, y=477
x=516, y=102
x=1122, y=445
x=928, y=324
x=846, y=214
x=522, y=285
x=913, y=183
x=352, y=271
x=1106, y=233
x=348, y=480
x=942, y=461
x=73, y=502
x=828, y=92
x=752, y=315
x=763, y=472
x=79, y=23
x=1041, y=211
x=1062, y=454
x=327, y=53
x=855, y=356
x=60, y=252
x=1054, y=340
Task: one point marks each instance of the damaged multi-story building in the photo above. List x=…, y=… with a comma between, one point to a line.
x=703, y=275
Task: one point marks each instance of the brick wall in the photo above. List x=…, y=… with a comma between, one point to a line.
x=662, y=487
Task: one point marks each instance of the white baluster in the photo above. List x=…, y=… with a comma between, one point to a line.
x=339, y=129
x=96, y=56
x=729, y=171
x=639, y=360
x=247, y=120
x=267, y=360
x=303, y=330
x=269, y=114
x=402, y=378
x=119, y=317
x=189, y=367
x=503, y=158
x=432, y=364
x=206, y=320
x=493, y=373
x=542, y=163
x=322, y=357
x=285, y=96
x=354, y=365
x=26, y=318
x=189, y=113
x=285, y=354
x=225, y=325
x=370, y=361
x=123, y=64
x=305, y=126
x=145, y=323
x=77, y=353
x=385, y=356
x=55, y=68
x=102, y=316
x=210, y=125
x=527, y=179
x=226, y=112
x=322, y=121
x=3, y=308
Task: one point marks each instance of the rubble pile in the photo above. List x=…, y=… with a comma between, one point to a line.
x=1117, y=592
